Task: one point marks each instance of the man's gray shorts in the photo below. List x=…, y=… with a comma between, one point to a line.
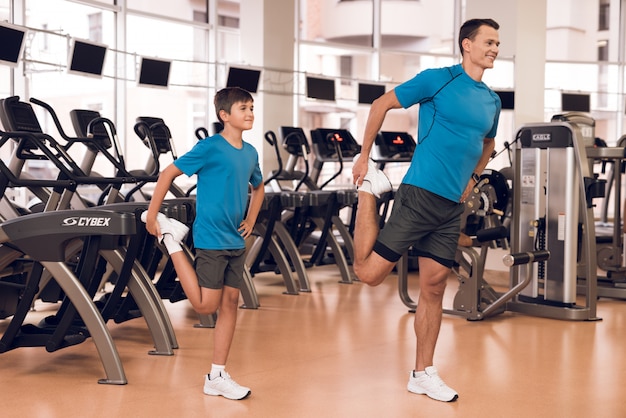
x=424, y=220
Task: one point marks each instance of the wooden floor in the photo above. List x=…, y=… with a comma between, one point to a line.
x=343, y=350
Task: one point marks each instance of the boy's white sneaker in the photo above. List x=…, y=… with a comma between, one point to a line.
x=177, y=230
x=224, y=385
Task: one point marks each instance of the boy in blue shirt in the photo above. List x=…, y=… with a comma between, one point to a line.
x=225, y=166
x=458, y=119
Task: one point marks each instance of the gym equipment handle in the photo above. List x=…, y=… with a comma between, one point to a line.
x=511, y=260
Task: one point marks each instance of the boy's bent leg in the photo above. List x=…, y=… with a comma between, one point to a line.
x=201, y=299
x=368, y=266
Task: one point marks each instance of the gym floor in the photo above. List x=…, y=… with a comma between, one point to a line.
x=343, y=350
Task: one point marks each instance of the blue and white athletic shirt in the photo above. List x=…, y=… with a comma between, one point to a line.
x=223, y=175
x=456, y=114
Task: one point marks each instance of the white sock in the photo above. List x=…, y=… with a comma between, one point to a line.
x=171, y=245
x=216, y=369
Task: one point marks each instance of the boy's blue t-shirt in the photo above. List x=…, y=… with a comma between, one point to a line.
x=456, y=114
x=223, y=176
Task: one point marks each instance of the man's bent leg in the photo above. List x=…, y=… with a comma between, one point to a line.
x=368, y=266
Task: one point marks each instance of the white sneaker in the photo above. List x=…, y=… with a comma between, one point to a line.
x=224, y=386
x=429, y=383
x=375, y=181
x=174, y=227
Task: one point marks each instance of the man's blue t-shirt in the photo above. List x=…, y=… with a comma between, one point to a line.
x=456, y=114
x=223, y=176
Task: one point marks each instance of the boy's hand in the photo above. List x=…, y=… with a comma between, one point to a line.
x=152, y=226
x=245, y=228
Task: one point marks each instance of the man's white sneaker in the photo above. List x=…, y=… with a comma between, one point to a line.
x=224, y=385
x=175, y=228
x=429, y=383
x=375, y=181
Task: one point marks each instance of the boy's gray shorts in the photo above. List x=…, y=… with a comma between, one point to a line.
x=218, y=268
x=424, y=220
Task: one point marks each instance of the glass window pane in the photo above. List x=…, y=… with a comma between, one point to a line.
x=173, y=9
x=47, y=56
x=418, y=26
x=332, y=21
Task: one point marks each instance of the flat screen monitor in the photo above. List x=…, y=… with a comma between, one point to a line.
x=12, y=43
x=370, y=92
x=507, y=98
x=154, y=73
x=86, y=58
x=245, y=78
x=320, y=88
x=575, y=102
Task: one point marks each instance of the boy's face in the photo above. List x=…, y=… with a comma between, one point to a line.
x=241, y=115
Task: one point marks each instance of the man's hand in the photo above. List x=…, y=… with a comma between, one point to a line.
x=359, y=170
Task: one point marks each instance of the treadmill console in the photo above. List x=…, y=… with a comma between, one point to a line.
x=160, y=133
x=324, y=141
x=293, y=139
x=393, y=147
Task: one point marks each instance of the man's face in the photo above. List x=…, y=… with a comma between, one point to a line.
x=483, y=49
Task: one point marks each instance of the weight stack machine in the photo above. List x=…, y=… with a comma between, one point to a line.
x=553, y=191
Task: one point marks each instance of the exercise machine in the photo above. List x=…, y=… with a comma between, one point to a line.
x=552, y=227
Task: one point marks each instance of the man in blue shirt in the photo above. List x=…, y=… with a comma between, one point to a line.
x=458, y=119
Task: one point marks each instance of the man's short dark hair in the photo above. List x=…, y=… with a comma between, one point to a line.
x=469, y=29
x=227, y=97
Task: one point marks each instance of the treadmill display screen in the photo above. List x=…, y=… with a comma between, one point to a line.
x=325, y=140
x=293, y=139
x=395, y=144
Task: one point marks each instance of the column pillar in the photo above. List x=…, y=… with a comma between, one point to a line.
x=523, y=36
x=267, y=40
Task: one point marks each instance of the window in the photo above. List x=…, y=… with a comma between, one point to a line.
x=228, y=21
x=603, y=50
x=95, y=27
x=345, y=69
x=604, y=15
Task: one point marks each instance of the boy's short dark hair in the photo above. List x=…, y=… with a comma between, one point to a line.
x=227, y=97
x=469, y=29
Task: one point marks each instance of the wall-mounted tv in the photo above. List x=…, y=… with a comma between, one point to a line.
x=575, y=102
x=370, y=92
x=245, y=78
x=86, y=58
x=12, y=43
x=320, y=88
x=154, y=73
x=507, y=98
